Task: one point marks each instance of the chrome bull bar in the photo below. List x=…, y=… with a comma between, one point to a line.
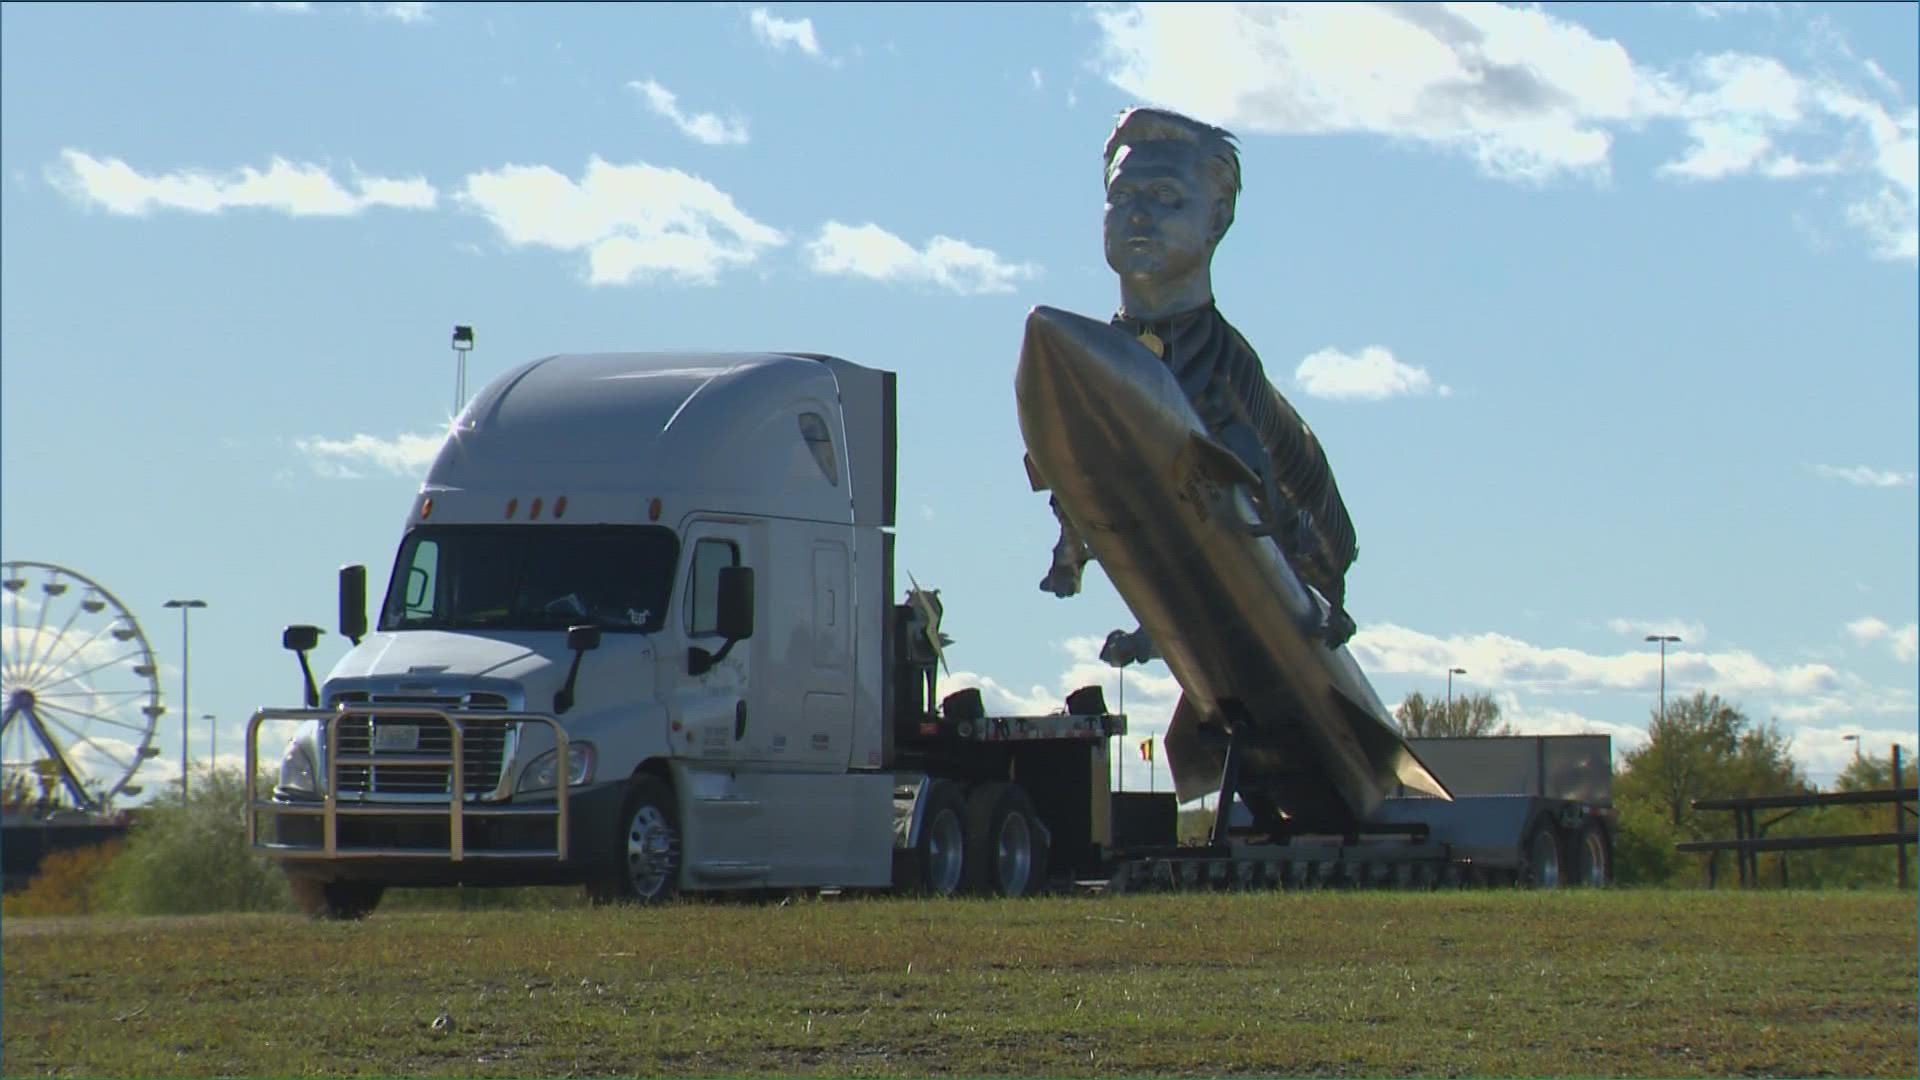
x=454, y=809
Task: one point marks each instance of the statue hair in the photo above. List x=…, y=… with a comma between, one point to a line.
x=1220, y=159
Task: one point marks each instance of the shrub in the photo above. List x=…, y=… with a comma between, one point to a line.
x=191, y=857
x=68, y=883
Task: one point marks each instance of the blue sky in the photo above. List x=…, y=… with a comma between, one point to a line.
x=1606, y=315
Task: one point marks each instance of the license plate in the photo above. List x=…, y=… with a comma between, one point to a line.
x=396, y=737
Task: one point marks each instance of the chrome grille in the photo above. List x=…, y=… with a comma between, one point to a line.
x=485, y=746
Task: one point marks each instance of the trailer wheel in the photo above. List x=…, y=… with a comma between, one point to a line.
x=1007, y=847
x=643, y=865
x=346, y=901
x=1593, y=856
x=1542, y=860
x=940, y=857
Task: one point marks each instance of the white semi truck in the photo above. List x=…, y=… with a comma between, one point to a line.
x=641, y=634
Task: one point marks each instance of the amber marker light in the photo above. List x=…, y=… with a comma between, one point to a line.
x=560, y=506
x=653, y=510
x=533, y=513
x=426, y=508
x=513, y=505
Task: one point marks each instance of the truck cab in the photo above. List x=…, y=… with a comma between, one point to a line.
x=639, y=634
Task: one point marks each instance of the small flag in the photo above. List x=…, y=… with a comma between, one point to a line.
x=1146, y=750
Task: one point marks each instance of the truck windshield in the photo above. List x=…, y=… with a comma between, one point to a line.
x=531, y=577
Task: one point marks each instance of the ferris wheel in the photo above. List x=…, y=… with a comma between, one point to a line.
x=80, y=689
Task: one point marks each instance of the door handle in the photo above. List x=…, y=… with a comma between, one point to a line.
x=739, y=720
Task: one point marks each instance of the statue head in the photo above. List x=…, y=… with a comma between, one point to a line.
x=1171, y=185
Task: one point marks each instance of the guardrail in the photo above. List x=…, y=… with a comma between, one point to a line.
x=455, y=808
x=1750, y=838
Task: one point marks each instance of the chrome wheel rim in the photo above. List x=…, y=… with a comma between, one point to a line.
x=945, y=857
x=1014, y=854
x=1593, y=870
x=1544, y=854
x=653, y=849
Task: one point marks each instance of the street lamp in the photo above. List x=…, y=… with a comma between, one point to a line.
x=1451, y=672
x=462, y=345
x=1855, y=740
x=1663, y=639
x=186, y=712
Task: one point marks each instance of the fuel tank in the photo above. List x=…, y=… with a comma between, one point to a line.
x=1173, y=517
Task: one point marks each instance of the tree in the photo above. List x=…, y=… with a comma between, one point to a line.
x=1706, y=748
x=1472, y=714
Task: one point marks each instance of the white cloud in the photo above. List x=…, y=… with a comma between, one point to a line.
x=1530, y=719
x=635, y=222
x=1039, y=81
x=1525, y=92
x=1500, y=660
x=1904, y=641
x=1866, y=476
x=342, y=459
x=293, y=5
x=709, y=128
x=1689, y=633
x=403, y=12
x=1371, y=375
x=779, y=34
x=295, y=188
x=872, y=252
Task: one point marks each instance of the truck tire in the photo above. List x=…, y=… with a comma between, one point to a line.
x=346, y=901
x=940, y=858
x=643, y=863
x=1006, y=844
x=1543, y=858
x=1593, y=856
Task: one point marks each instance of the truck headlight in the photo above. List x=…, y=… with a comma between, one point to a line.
x=296, y=769
x=539, y=776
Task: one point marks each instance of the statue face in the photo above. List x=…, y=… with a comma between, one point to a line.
x=1162, y=219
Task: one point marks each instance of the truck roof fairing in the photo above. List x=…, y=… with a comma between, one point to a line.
x=718, y=432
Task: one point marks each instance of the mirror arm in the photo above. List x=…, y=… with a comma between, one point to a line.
x=563, y=697
x=313, y=692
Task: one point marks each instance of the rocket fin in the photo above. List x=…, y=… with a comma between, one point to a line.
x=1220, y=464
x=1195, y=765
x=1388, y=752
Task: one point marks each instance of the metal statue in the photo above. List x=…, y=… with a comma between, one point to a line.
x=1171, y=186
x=1209, y=504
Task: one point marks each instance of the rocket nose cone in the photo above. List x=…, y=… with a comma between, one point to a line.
x=1067, y=354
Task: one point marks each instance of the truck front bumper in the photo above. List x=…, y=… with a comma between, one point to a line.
x=411, y=850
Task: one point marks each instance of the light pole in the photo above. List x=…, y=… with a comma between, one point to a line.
x=186, y=712
x=1451, y=672
x=1855, y=740
x=213, y=744
x=462, y=345
x=1663, y=639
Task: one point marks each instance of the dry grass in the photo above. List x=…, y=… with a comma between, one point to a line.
x=1617, y=983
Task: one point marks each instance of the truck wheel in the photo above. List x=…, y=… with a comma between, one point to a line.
x=1593, y=856
x=1541, y=861
x=644, y=864
x=1007, y=848
x=940, y=858
x=349, y=901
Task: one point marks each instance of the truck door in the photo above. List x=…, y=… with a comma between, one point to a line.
x=709, y=711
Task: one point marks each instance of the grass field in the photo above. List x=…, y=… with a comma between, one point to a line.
x=1497, y=983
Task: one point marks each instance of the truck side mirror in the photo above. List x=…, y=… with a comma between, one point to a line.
x=353, y=603
x=735, y=616
x=581, y=639
x=299, y=640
